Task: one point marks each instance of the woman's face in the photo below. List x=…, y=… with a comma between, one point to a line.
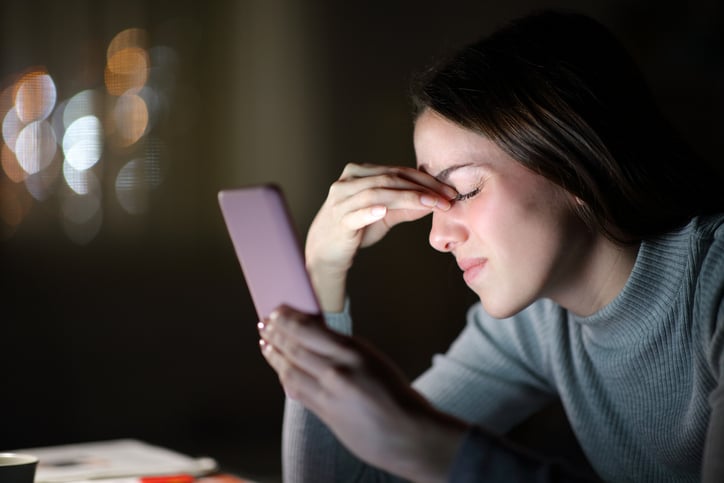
x=512, y=232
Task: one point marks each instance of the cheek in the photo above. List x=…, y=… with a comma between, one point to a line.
x=524, y=232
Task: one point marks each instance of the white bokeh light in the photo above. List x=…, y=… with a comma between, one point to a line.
x=81, y=182
x=131, y=187
x=36, y=146
x=42, y=184
x=12, y=125
x=84, y=103
x=83, y=142
x=80, y=209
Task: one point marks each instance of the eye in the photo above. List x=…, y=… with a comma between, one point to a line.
x=466, y=196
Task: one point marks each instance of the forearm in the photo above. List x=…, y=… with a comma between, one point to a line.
x=431, y=444
x=329, y=285
x=311, y=452
x=308, y=447
x=484, y=457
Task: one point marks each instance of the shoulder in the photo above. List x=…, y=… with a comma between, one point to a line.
x=708, y=297
x=526, y=335
x=708, y=263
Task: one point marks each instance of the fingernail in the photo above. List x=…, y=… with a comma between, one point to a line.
x=428, y=200
x=434, y=202
x=379, y=211
x=262, y=343
x=444, y=204
x=260, y=326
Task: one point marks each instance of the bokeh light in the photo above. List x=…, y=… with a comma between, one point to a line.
x=41, y=185
x=132, y=37
x=10, y=165
x=36, y=146
x=61, y=149
x=85, y=103
x=12, y=125
x=154, y=163
x=131, y=187
x=35, y=97
x=81, y=182
x=82, y=217
x=127, y=62
x=15, y=204
x=80, y=209
x=130, y=118
x=83, y=142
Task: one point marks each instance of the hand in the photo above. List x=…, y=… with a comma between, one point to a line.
x=362, y=205
x=360, y=395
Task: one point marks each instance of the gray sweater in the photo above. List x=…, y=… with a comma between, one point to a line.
x=640, y=380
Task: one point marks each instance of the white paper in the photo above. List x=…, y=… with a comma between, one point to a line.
x=112, y=459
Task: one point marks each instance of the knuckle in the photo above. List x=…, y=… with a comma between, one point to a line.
x=334, y=188
x=386, y=179
x=350, y=168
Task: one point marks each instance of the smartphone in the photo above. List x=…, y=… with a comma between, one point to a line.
x=268, y=248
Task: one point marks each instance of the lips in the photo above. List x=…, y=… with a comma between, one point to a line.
x=471, y=267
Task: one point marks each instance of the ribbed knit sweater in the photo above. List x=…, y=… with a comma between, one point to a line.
x=640, y=379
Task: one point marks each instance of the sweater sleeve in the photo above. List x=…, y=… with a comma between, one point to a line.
x=713, y=280
x=493, y=375
x=483, y=457
x=487, y=378
x=310, y=451
x=713, y=464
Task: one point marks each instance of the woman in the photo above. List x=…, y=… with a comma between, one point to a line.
x=594, y=240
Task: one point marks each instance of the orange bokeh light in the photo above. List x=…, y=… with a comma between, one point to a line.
x=130, y=118
x=35, y=96
x=127, y=70
x=10, y=165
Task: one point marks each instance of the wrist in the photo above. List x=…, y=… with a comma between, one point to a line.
x=330, y=286
x=437, y=441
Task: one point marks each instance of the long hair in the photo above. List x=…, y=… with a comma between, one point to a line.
x=559, y=94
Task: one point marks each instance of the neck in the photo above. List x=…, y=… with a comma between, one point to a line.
x=599, y=279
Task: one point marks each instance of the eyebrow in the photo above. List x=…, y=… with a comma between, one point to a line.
x=445, y=173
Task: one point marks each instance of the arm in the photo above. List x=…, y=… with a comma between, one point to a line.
x=713, y=467
x=379, y=418
x=361, y=207
x=713, y=464
x=310, y=451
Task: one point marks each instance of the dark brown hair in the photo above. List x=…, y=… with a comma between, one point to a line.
x=560, y=95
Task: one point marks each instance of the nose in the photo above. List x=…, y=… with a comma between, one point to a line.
x=447, y=231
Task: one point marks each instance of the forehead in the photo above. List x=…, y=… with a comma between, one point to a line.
x=441, y=144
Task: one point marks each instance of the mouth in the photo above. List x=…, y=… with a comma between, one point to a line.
x=471, y=268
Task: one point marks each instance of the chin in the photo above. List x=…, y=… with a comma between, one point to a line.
x=501, y=309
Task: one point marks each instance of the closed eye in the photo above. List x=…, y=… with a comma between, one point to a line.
x=465, y=196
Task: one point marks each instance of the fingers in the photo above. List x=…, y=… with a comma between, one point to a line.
x=304, y=354
x=414, y=175
x=306, y=340
x=298, y=384
x=393, y=187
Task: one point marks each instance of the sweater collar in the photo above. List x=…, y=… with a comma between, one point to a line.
x=651, y=289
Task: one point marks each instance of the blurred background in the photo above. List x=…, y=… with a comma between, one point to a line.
x=123, y=309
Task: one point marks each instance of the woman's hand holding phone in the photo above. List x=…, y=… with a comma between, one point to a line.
x=360, y=395
x=361, y=207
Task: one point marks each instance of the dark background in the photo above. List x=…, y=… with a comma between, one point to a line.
x=146, y=330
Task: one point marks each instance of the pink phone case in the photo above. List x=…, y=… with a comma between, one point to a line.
x=268, y=249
